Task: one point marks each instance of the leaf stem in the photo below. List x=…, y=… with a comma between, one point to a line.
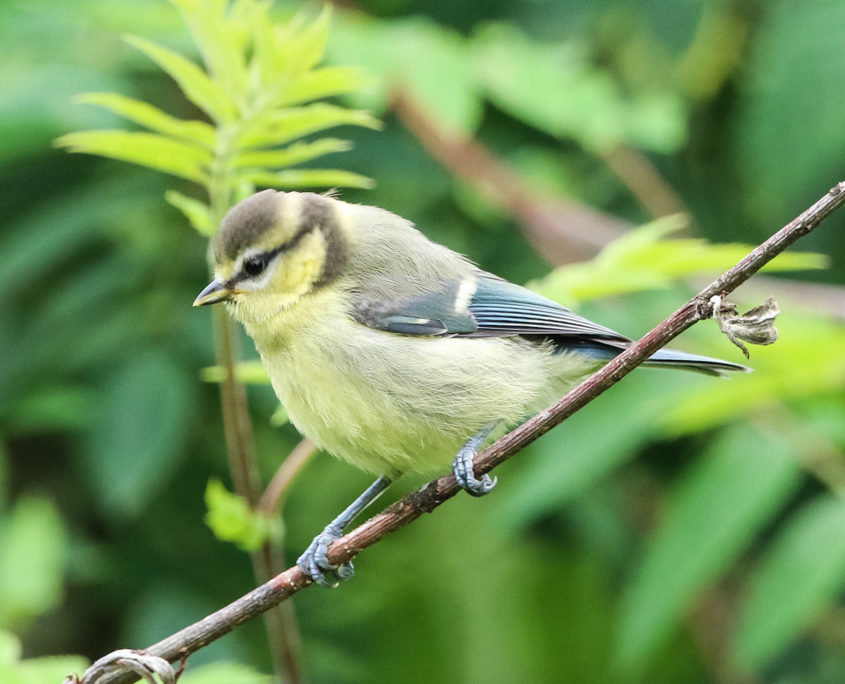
x=280, y=623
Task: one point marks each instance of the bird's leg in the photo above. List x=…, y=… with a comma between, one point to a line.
x=314, y=560
x=462, y=465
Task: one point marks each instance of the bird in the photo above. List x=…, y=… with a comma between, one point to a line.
x=390, y=351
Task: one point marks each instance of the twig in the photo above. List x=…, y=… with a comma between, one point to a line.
x=280, y=624
x=236, y=423
x=560, y=230
x=274, y=495
x=644, y=181
x=435, y=493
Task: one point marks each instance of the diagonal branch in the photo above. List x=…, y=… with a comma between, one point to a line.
x=435, y=493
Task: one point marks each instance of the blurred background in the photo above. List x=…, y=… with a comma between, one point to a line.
x=679, y=529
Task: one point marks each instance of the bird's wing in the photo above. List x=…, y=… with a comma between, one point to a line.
x=478, y=305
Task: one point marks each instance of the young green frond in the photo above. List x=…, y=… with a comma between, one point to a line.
x=148, y=116
x=258, y=85
x=283, y=125
x=196, y=212
x=307, y=178
x=300, y=46
x=644, y=259
x=326, y=82
x=222, y=39
x=146, y=149
x=197, y=85
x=292, y=154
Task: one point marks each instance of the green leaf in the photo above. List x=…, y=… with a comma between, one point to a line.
x=645, y=258
x=224, y=673
x=264, y=66
x=280, y=126
x=231, y=519
x=32, y=557
x=783, y=371
x=300, y=45
x=411, y=56
x=44, y=670
x=324, y=82
x=4, y=472
x=153, y=118
x=10, y=648
x=657, y=122
x=569, y=460
x=52, y=407
x=308, y=178
x=788, y=82
x=221, y=41
x=280, y=417
x=146, y=149
x=197, y=213
x=197, y=86
x=293, y=154
x=647, y=247
x=418, y=54
x=803, y=571
x=744, y=479
x=137, y=441
x=555, y=88
x=247, y=372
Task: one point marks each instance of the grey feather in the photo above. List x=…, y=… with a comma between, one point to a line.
x=496, y=308
x=246, y=223
x=402, y=283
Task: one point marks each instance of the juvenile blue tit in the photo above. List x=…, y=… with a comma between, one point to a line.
x=390, y=351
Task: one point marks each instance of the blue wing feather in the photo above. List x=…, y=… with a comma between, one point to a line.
x=507, y=309
x=498, y=308
x=495, y=308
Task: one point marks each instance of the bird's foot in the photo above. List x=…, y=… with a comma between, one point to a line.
x=316, y=563
x=462, y=467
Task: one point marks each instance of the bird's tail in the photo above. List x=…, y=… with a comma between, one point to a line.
x=662, y=358
x=672, y=358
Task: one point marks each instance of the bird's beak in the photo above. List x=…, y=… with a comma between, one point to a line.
x=215, y=291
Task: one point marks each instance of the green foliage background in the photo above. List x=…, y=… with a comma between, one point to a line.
x=678, y=529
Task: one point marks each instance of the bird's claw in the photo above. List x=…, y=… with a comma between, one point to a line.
x=462, y=467
x=314, y=560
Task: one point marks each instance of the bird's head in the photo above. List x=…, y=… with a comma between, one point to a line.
x=274, y=248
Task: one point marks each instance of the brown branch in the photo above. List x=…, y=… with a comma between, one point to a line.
x=274, y=495
x=237, y=427
x=435, y=493
x=560, y=230
x=644, y=181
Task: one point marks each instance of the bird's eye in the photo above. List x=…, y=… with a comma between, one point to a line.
x=253, y=266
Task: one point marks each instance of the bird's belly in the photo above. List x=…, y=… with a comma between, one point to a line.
x=391, y=404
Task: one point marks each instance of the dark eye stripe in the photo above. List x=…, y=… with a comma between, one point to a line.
x=270, y=254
